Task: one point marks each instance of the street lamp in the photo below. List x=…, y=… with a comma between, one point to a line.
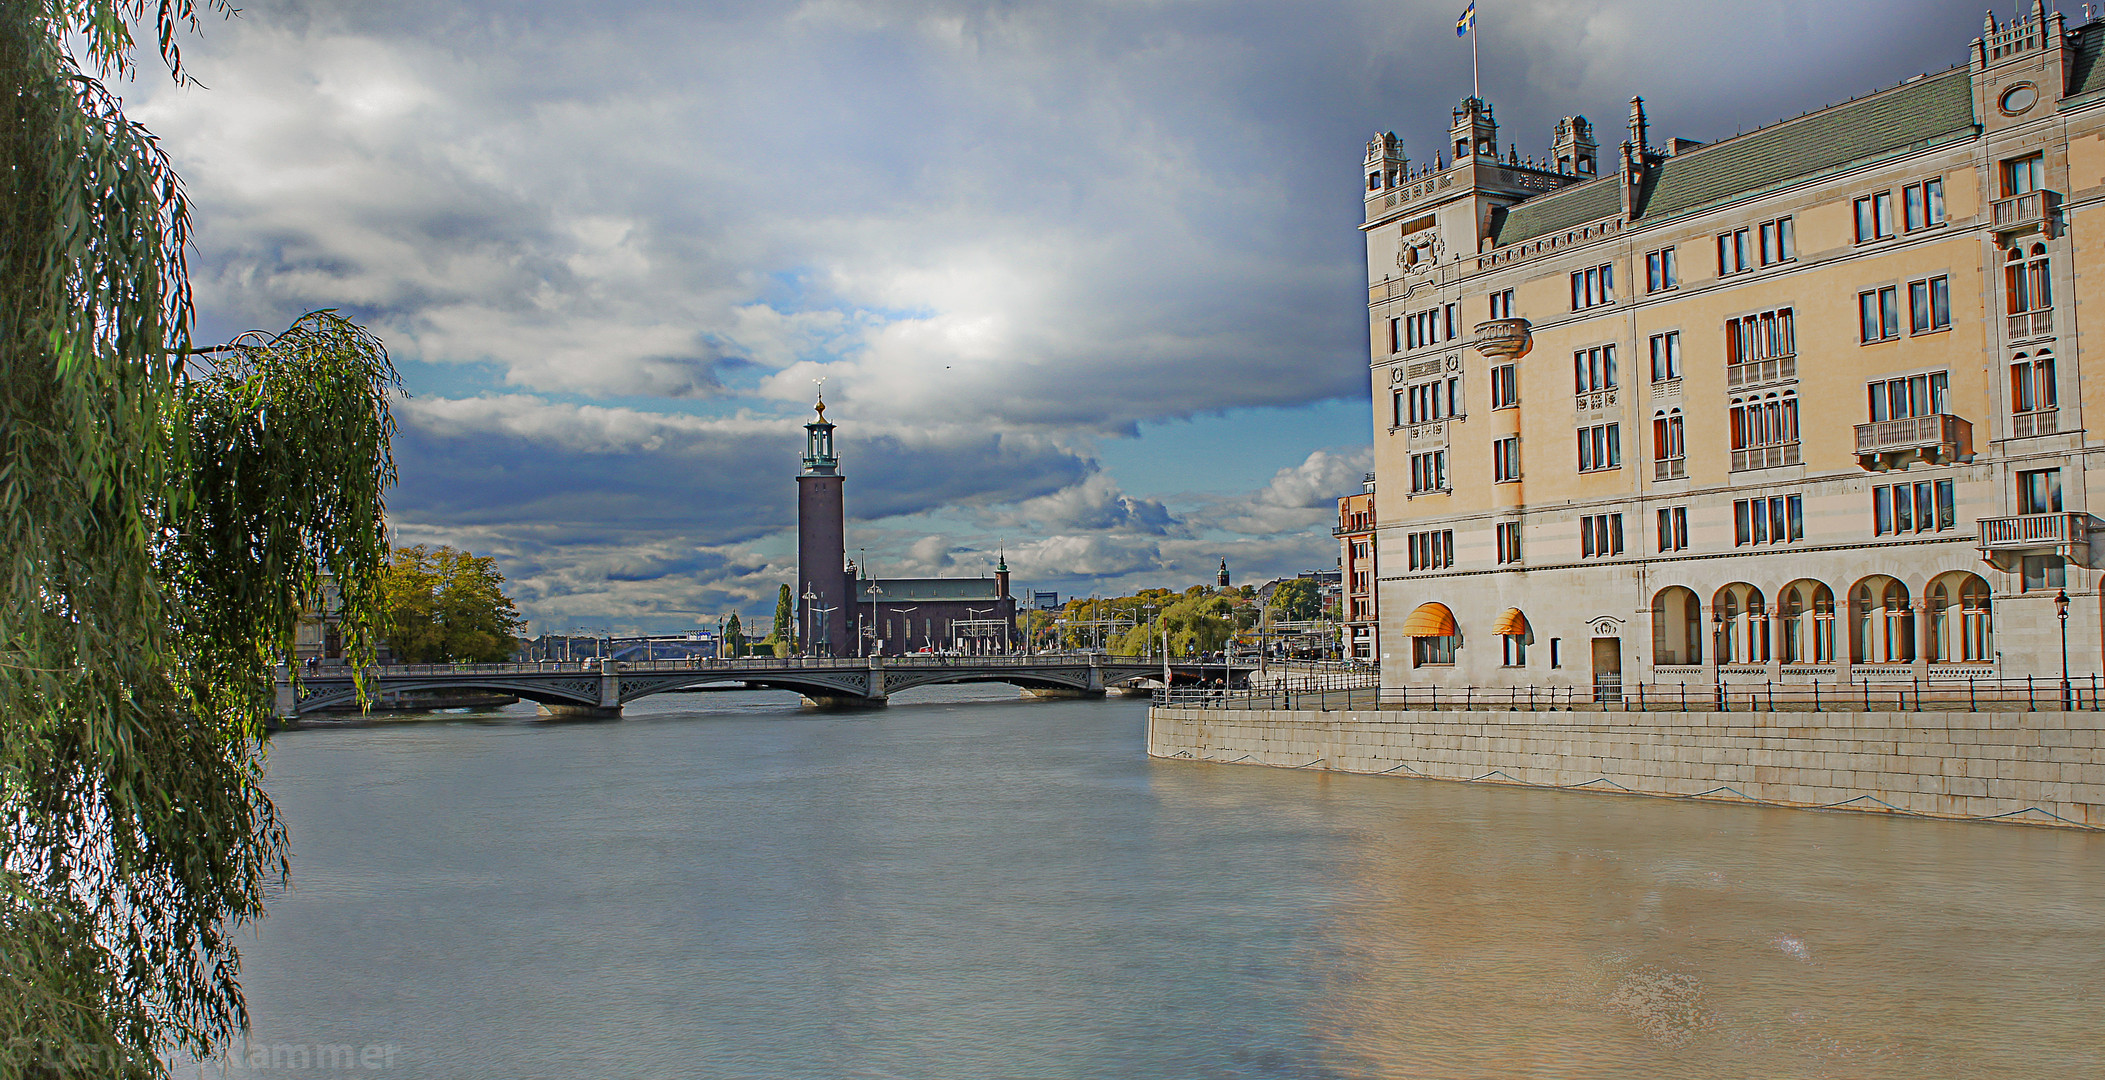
x=810, y=598
x=2061, y=611
x=873, y=592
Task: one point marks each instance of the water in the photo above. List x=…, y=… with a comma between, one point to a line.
x=967, y=885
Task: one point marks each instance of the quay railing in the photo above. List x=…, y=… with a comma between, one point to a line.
x=2036, y=693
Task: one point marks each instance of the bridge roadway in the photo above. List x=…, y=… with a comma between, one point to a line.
x=586, y=689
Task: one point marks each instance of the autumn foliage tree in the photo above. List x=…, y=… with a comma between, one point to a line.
x=443, y=605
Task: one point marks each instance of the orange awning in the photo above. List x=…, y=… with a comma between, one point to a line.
x=1430, y=620
x=1511, y=622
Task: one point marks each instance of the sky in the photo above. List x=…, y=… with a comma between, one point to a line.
x=1083, y=280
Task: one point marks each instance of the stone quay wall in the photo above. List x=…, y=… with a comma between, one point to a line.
x=2044, y=768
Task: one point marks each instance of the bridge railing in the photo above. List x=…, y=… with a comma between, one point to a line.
x=740, y=663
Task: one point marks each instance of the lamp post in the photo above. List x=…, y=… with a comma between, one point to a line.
x=811, y=597
x=2061, y=612
x=873, y=592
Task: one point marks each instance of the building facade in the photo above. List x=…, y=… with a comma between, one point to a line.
x=1802, y=404
x=843, y=612
x=1357, y=604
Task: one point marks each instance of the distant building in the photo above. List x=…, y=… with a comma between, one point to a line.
x=1045, y=601
x=841, y=612
x=1803, y=404
x=1223, y=576
x=1357, y=604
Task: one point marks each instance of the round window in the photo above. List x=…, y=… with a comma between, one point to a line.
x=2019, y=98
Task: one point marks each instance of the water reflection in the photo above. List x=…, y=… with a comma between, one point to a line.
x=969, y=886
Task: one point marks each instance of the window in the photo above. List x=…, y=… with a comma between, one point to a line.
x=1505, y=386
x=1922, y=205
x=1669, y=452
x=1929, y=305
x=1778, y=519
x=1764, y=335
x=1508, y=542
x=1502, y=304
x=1600, y=535
x=1874, y=217
x=1925, y=506
x=1673, y=528
x=1600, y=447
x=2045, y=572
x=2032, y=388
x=1429, y=472
x=1432, y=550
x=2021, y=175
x=1909, y=395
x=1396, y=335
x=2025, y=281
x=1505, y=459
x=1592, y=287
x=1429, y=327
x=1554, y=642
x=2039, y=491
x=1666, y=356
x=1878, y=314
x=1397, y=418
x=1432, y=650
x=1765, y=430
x=1733, y=254
x=1593, y=369
x=1515, y=650
x=1437, y=400
x=1777, y=244
x=1661, y=273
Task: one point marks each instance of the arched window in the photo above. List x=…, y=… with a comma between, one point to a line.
x=1742, y=617
x=1884, y=627
x=2025, y=279
x=1957, y=605
x=1677, y=627
x=1669, y=450
x=1806, y=610
x=2032, y=387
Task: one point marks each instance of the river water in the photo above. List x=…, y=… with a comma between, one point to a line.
x=967, y=885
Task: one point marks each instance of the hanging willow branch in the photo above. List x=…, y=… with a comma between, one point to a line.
x=162, y=522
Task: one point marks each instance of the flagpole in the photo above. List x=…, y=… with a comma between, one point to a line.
x=1475, y=90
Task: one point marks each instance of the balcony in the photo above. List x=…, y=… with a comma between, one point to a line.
x=2024, y=425
x=1502, y=339
x=1595, y=400
x=1764, y=457
x=2032, y=324
x=1885, y=444
x=1757, y=372
x=2031, y=210
x=1669, y=468
x=2058, y=529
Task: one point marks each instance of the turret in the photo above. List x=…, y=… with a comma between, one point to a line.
x=818, y=445
x=1386, y=163
x=1574, y=149
x=1224, y=574
x=1001, y=576
x=1474, y=133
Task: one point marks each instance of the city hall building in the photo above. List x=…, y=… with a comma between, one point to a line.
x=1803, y=404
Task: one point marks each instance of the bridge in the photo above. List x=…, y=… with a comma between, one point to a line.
x=592, y=689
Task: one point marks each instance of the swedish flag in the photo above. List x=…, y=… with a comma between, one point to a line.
x=1467, y=22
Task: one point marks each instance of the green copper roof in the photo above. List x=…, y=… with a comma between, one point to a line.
x=2085, y=74
x=1553, y=213
x=1929, y=110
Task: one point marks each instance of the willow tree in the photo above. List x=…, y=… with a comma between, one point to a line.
x=165, y=513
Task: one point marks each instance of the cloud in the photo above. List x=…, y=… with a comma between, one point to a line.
x=613, y=246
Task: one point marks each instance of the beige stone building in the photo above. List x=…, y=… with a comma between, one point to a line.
x=1357, y=607
x=1802, y=404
